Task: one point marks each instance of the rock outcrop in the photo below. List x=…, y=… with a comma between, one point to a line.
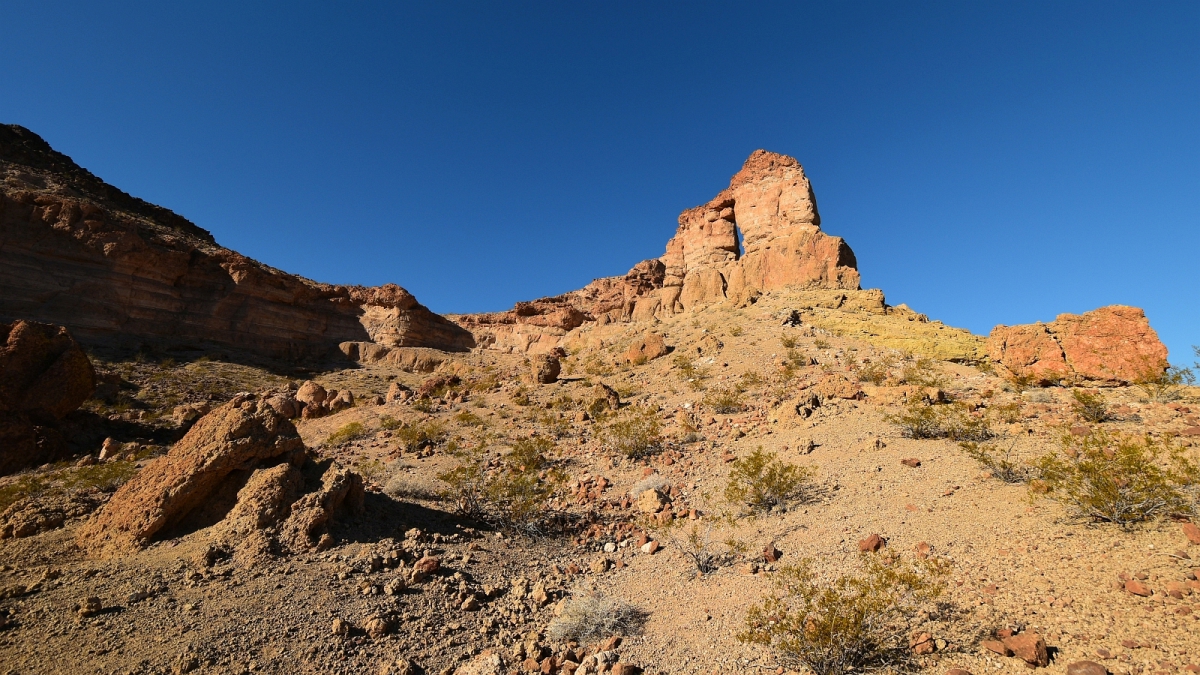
x=243, y=468
x=116, y=269
x=1111, y=345
x=44, y=375
x=770, y=201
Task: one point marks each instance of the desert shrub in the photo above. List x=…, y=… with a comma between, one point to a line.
x=634, y=432
x=724, y=401
x=952, y=420
x=420, y=435
x=1000, y=463
x=696, y=547
x=401, y=486
x=820, y=343
x=760, y=481
x=922, y=371
x=1006, y=412
x=389, y=423
x=346, y=433
x=689, y=372
x=853, y=622
x=1089, y=407
x=876, y=371
x=592, y=618
x=422, y=405
x=986, y=367
x=22, y=487
x=787, y=341
x=514, y=495
x=751, y=379
x=521, y=397
x=470, y=419
x=1162, y=383
x=1119, y=478
x=553, y=423
x=594, y=365
x=372, y=470
x=735, y=331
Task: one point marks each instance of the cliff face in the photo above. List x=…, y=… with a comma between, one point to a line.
x=770, y=201
x=112, y=268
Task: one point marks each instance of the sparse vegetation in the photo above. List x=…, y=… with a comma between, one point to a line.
x=513, y=493
x=724, y=401
x=1163, y=383
x=875, y=371
x=389, y=423
x=689, y=373
x=633, y=433
x=922, y=371
x=372, y=471
x=954, y=421
x=595, y=617
x=1089, y=406
x=855, y=622
x=470, y=419
x=821, y=343
x=999, y=463
x=1118, y=478
x=349, y=432
x=735, y=331
x=787, y=341
x=760, y=482
x=419, y=435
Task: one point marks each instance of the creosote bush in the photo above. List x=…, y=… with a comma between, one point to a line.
x=1163, y=383
x=420, y=435
x=724, y=401
x=634, y=432
x=592, y=618
x=922, y=371
x=1119, y=478
x=513, y=493
x=345, y=434
x=1090, y=407
x=854, y=622
x=999, y=462
x=955, y=421
x=759, y=481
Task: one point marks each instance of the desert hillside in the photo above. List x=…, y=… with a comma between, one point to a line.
x=731, y=459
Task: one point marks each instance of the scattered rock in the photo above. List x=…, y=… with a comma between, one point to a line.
x=90, y=607
x=1192, y=532
x=1029, y=647
x=1086, y=668
x=911, y=462
x=1137, y=588
x=544, y=368
x=871, y=544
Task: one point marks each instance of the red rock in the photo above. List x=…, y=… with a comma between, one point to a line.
x=151, y=275
x=1030, y=648
x=922, y=644
x=620, y=668
x=923, y=549
x=1112, y=344
x=771, y=554
x=871, y=544
x=996, y=646
x=1191, y=532
x=646, y=348
x=958, y=671
x=1137, y=588
x=1086, y=668
x=545, y=369
x=911, y=462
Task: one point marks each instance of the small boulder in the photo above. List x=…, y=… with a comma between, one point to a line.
x=871, y=544
x=1192, y=532
x=544, y=368
x=1030, y=648
x=311, y=393
x=1086, y=668
x=647, y=348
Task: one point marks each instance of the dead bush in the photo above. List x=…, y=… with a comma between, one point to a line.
x=855, y=622
x=634, y=433
x=596, y=617
x=403, y=486
x=955, y=421
x=1119, y=478
x=761, y=482
x=1000, y=463
x=1090, y=407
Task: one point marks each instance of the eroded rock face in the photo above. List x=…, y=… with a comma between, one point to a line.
x=44, y=375
x=114, y=269
x=1113, y=345
x=770, y=201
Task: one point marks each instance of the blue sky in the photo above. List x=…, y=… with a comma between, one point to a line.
x=988, y=162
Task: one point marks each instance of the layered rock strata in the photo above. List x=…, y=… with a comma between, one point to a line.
x=770, y=202
x=115, y=269
x=1112, y=345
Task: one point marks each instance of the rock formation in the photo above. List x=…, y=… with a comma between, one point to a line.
x=44, y=375
x=115, y=269
x=1113, y=345
x=770, y=201
x=241, y=466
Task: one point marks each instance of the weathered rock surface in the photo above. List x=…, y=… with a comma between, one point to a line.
x=770, y=201
x=233, y=438
x=115, y=269
x=1113, y=345
x=44, y=375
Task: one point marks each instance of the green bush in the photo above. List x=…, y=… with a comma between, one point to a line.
x=389, y=423
x=420, y=435
x=849, y=623
x=760, y=481
x=515, y=495
x=999, y=463
x=1163, y=383
x=787, y=341
x=346, y=433
x=724, y=401
x=923, y=372
x=634, y=432
x=1118, y=478
x=1089, y=407
x=952, y=420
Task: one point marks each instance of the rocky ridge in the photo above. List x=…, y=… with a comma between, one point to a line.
x=117, y=270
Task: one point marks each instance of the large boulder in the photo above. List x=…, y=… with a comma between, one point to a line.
x=1110, y=345
x=240, y=435
x=44, y=375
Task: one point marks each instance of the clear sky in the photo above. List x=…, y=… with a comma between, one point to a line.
x=988, y=163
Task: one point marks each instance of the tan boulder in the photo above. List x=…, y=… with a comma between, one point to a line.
x=544, y=369
x=647, y=348
x=237, y=435
x=311, y=393
x=1110, y=345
